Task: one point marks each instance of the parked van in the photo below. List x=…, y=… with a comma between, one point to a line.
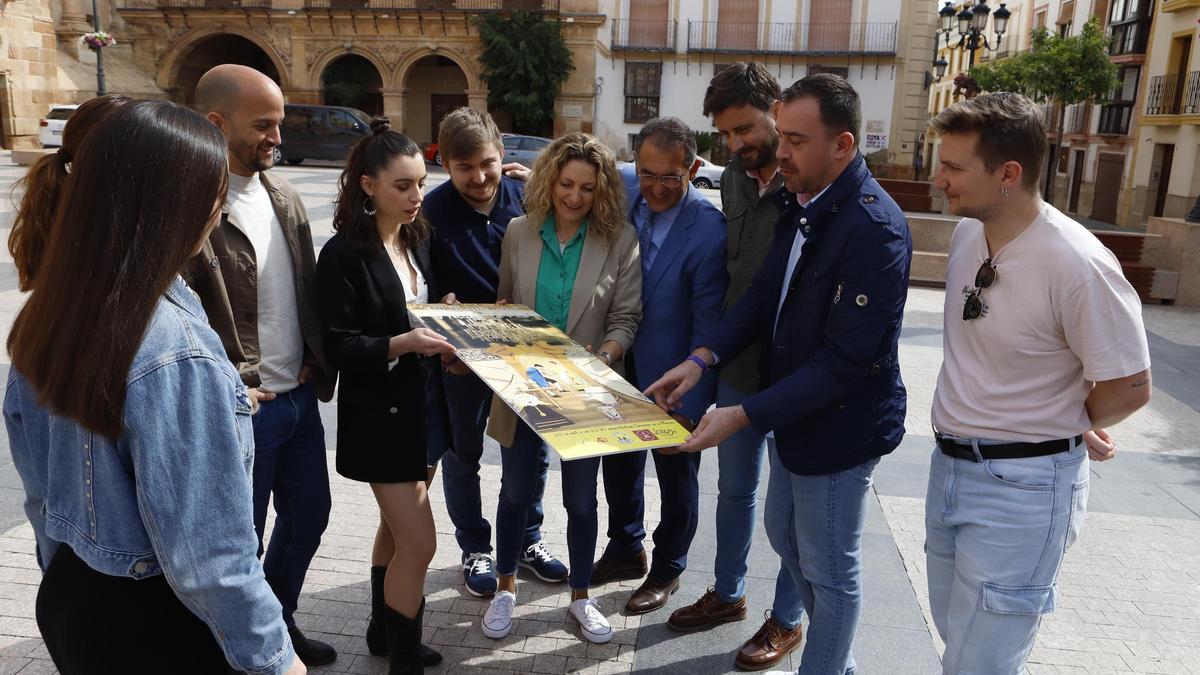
x=320, y=132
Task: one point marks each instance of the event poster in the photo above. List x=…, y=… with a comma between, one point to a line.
x=576, y=403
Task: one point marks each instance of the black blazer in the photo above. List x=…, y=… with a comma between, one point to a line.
x=361, y=303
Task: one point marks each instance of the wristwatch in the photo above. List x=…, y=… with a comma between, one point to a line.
x=606, y=356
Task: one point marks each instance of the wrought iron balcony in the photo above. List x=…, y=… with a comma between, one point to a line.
x=442, y=5
x=644, y=36
x=1174, y=94
x=1129, y=37
x=814, y=39
x=199, y=4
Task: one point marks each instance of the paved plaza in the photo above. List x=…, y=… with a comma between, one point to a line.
x=1129, y=591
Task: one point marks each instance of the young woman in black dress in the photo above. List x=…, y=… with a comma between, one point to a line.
x=366, y=274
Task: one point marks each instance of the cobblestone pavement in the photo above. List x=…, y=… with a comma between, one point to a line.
x=1130, y=588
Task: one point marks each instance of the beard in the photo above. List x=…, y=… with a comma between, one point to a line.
x=249, y=156
x=760, y=155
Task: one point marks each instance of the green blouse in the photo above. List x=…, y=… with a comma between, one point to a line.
x=556, y=274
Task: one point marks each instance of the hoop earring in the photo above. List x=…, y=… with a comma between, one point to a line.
x=369, y=211
x=1004, y=191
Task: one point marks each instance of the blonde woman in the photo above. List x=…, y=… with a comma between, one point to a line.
x=574, y=259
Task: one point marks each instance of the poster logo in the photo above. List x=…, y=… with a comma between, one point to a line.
x=645, y=435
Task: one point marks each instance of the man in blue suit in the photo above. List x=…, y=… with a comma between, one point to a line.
x=827, y=306
x=684, y=279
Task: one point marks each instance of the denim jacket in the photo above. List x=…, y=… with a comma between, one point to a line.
x=172, y=495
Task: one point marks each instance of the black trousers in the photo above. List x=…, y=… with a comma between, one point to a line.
x=96, y=624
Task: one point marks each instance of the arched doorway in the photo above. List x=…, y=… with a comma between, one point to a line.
x=355, y=82
x=434, y=86
x=216, y=50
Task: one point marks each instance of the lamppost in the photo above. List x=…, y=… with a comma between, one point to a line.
x=101, y=88
x=972, y=22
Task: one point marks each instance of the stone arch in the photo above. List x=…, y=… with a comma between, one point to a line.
x=355, y=81
x=474, y=81
x=175, y=58
x=433, y=85
x=322, y=61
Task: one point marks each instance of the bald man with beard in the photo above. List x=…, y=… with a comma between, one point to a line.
x=255, y=277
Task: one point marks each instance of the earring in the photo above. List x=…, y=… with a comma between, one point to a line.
x=369, y=210
x=1003, y=190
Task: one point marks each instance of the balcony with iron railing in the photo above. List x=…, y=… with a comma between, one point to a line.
x=1129, y=37
x=814, y=39
x=381, y=5
x=644, y=36
x=1174, y=94
x=442, y=5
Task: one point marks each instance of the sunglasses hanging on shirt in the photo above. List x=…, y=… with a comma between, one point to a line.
x=985, y=277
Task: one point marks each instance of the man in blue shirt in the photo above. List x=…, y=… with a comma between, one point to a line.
x=682, y=242
x=469, y=215
x=827, y=305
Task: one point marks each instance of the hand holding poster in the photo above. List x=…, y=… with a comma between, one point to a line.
x=574, y=402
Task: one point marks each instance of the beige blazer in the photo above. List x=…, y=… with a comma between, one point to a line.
x=606, y=303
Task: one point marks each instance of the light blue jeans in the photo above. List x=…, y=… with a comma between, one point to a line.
x=815, y=524
x=740, y=461
x=995, y=535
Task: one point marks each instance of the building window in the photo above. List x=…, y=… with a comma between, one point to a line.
x=643, y=82
x=1116, y=114
x=1129, y=26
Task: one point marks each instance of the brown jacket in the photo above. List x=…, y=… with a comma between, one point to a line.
x=606, y=302
x=223, y=274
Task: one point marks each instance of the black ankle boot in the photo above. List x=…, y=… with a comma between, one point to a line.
x=377, y=640
x=404, y=642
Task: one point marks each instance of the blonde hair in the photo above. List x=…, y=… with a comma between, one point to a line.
x=607, y=216
x=464, y=132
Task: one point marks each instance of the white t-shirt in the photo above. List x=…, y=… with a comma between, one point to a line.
x=280, y=343
x=1059, y=317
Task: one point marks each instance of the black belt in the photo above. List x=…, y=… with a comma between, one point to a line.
x=963, y=450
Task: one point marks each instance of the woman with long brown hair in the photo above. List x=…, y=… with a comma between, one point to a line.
x=367, y=274
x=130, y=429
x=573, y=258
x=41, y=187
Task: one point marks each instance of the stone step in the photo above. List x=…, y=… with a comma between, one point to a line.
x=929, y=268
x=931, y=231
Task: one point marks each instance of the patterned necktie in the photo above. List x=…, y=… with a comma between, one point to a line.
x=645, y=220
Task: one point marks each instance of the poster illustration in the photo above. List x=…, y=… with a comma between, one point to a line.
x=578, y=405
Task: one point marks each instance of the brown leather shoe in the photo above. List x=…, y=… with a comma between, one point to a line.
x=707, y=612
x=610, y=568
x=769, y=646
x=651, y=595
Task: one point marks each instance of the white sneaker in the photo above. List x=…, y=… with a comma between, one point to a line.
x=592, y=622
x=497, y=620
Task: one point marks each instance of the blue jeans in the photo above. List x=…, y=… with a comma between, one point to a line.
x=995, y=535
x=524, y=478
x=740, y=460
x=468, y=401
x=289, y=461
x=624, y=491
x=815, y=524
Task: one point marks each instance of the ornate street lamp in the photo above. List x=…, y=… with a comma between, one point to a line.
x=972, y=28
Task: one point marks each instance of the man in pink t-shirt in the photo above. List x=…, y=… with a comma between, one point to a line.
x=1043, y=347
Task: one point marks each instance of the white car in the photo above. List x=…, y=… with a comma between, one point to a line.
x=708, y=175
x=50, y=128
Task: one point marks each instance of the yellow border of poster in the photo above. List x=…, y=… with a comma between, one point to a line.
x=578, y=405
